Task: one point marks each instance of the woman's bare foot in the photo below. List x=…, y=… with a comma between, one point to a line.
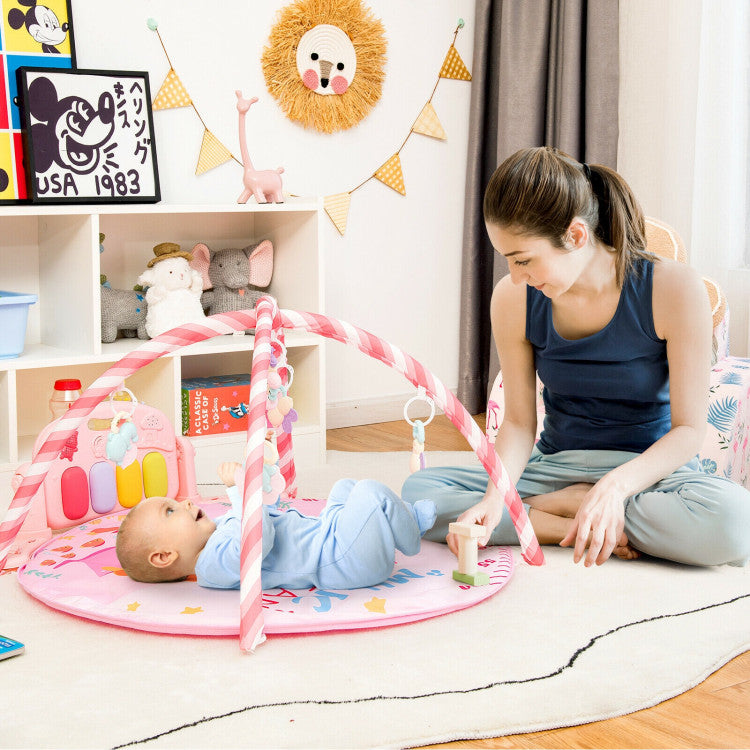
x=551, y=511
x=624, y=551
x=563, y=503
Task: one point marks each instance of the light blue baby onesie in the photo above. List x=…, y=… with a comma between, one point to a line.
x=350, y=545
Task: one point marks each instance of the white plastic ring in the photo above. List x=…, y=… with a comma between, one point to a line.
x=421, y=396
x=133, y=402
x=289, y=374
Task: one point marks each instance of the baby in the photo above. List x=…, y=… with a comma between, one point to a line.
x=350, y=545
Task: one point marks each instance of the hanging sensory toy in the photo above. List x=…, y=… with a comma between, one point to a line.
x=417, y=461
x=123, y=436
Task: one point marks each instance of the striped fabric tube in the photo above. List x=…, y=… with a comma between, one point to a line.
x=286, y=464
x=97, y=392
x=418, y=375
x=251, y=548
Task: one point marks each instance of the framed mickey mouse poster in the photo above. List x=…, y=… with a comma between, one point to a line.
x=88, y=136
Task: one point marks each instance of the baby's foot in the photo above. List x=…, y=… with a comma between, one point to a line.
x=624, y=551
x=425, y=513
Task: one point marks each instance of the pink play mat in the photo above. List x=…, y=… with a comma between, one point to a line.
x=77, y=572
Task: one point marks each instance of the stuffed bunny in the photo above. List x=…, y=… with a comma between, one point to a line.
x=232, y=277
x=174, y=290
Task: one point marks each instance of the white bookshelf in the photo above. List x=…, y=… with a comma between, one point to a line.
x=53, y=252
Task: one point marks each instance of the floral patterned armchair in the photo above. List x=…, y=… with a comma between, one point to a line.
x=726, y=447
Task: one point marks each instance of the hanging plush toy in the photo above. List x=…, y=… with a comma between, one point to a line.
x=123, y=436
x=280, y=411
x=121, y=440
x=273, y=481
x=417, y=461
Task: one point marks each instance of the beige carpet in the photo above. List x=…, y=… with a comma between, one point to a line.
x=559, y=645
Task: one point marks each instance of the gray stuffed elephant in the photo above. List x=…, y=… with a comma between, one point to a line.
x=233, y=278
x=123, y=310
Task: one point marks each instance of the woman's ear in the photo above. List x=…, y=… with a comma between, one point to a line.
x=577, y=235
x=162, y=558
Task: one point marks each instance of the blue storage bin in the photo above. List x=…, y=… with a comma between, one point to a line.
x=14, y=310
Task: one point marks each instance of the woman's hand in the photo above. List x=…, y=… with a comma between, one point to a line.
x=487, y=512
x=599, y=522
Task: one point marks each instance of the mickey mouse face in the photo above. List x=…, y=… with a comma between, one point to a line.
x=41, y=23
x=71, y=132
x=45, y=27
x=326, y=60
x=81, y=131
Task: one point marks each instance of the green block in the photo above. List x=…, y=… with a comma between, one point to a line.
x=480, y=578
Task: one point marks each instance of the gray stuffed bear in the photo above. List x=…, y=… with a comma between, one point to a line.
x=233, y=278
x=123, y=310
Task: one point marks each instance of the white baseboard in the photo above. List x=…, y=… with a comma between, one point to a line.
x=374, y=411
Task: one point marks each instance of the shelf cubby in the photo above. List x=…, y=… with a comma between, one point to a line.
x=53, y=252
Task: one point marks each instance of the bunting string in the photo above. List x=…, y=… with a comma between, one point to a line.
x=427, y=123
x=213, y=153
x=173, y=94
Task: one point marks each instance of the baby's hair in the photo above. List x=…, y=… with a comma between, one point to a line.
x=539, y=191
x=133, y=547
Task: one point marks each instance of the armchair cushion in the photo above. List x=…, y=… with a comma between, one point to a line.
x=726, y=447
x=663, y=241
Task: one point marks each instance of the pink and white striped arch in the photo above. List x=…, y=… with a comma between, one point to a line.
x=266, y=319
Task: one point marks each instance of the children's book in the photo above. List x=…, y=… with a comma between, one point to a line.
x=9, y=647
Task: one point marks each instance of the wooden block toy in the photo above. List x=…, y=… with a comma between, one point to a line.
x=468, y=560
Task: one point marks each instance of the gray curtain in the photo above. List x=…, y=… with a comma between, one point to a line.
x=545, y=73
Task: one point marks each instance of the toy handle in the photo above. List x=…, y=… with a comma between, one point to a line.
x=421, y=396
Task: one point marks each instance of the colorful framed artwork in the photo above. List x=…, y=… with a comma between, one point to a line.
x=36, y=35
x=88, y=136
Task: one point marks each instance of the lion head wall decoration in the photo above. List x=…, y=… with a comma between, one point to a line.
x=325, y=61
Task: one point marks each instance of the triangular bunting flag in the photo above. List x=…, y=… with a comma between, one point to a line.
x=428, y=123
x=172, y=93
x=390, y=174
x=213, y=153
x=337, y=208
x=453, y=66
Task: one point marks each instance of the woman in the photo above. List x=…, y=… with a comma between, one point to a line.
x=622, y=343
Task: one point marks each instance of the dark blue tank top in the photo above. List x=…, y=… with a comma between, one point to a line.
x=607, y=391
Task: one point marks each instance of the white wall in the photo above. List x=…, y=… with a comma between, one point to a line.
x=659, y=43
x=683, y=147
x=396, y=271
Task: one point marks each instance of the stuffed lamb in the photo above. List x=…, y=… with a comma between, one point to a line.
x=174, y=290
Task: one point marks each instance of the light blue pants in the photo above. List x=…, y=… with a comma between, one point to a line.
x=689, y=517
x=350, y=545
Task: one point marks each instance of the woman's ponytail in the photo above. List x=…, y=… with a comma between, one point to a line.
x=621, y=223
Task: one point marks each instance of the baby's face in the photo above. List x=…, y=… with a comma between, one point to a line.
x=170, y=524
